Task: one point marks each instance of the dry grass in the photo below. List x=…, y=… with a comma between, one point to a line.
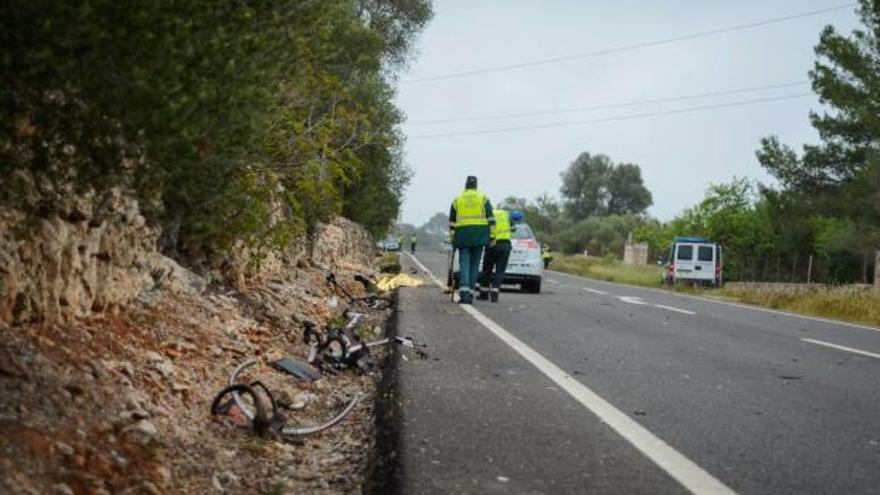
x=850, y=303
x=609, y=270
x=389, y=263
x=853, y=303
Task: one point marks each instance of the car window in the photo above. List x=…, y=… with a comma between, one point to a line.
x=685, y=252
x=704, y=253
x=522, y=231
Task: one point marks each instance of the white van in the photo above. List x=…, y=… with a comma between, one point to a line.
x=694, y=260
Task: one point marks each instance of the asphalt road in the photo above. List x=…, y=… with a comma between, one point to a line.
x=594, y=387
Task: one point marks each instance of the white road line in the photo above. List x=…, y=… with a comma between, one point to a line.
x=594, y=291
x=677, y=310
x=427, y=272
x=694, y=478
x=632, y=300
x=842, y=348
x=726, y=303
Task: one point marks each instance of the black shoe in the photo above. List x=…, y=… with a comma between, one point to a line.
x=466, y=299
x=484, y=296
x=494, y=296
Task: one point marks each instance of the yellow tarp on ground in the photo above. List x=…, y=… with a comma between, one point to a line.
x=391, y=282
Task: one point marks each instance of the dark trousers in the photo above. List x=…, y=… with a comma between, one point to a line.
x=412, y=247
x=494, y=265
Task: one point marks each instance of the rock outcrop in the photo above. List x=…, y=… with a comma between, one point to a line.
x=67, y=255
x=117, y=402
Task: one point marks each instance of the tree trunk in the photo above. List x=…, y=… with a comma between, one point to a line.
x=877, y=270
x=810, y=269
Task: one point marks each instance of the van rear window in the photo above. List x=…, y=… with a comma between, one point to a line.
x=685, y=252
x=704, y=253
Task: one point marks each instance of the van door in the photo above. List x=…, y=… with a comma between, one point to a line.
x=684, y=261
x=704, y=265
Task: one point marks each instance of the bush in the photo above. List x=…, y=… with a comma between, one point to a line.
x=249, y=120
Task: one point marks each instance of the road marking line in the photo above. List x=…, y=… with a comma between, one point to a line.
x=427, y=272
x=594, y=291
x=677, y=310
x=694, y=478
x=726, y=303
x=632, y=300
x=842, y=348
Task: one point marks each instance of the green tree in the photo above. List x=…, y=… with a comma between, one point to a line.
x=594, y=185
x=247, y=121
x=583, y=186
x=835, y=183
x=627, y=193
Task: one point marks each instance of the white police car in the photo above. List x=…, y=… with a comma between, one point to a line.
x=525, y=266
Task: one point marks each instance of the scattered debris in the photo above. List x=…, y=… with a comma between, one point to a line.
x=297, y=368
x=268, y=421
x=117, y=402
x=371, y=301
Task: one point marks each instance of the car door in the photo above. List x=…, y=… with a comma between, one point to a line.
x=704, y=263
x=684, y=261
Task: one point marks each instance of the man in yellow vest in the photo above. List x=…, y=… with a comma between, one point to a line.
x=495, y=258
x=546, y=255
x=470, y=220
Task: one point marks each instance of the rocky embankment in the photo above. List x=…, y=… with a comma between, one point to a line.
x=111, y=355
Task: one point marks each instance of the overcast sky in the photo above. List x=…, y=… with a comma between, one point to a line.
x=679, y=154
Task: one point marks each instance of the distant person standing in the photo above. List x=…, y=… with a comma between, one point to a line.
x=412, y=243
x=547, y=255
x=470, y=218
x=400, y=242
x=495, y=258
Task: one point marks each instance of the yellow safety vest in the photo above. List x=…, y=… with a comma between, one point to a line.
x=501, y=230
x=469, y=209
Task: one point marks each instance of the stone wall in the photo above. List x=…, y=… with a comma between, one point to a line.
x=341, y=243
x=74, y=254
x=95, y=253
x=344, y=242
x=635, y=254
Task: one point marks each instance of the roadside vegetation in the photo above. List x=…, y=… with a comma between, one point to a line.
x=608, y=269
x=389, y=263
x=233, y=122
x=818, y=220
x=853, y=303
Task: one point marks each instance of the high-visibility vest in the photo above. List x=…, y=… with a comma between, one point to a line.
x=470, y=209
x=501, y=230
